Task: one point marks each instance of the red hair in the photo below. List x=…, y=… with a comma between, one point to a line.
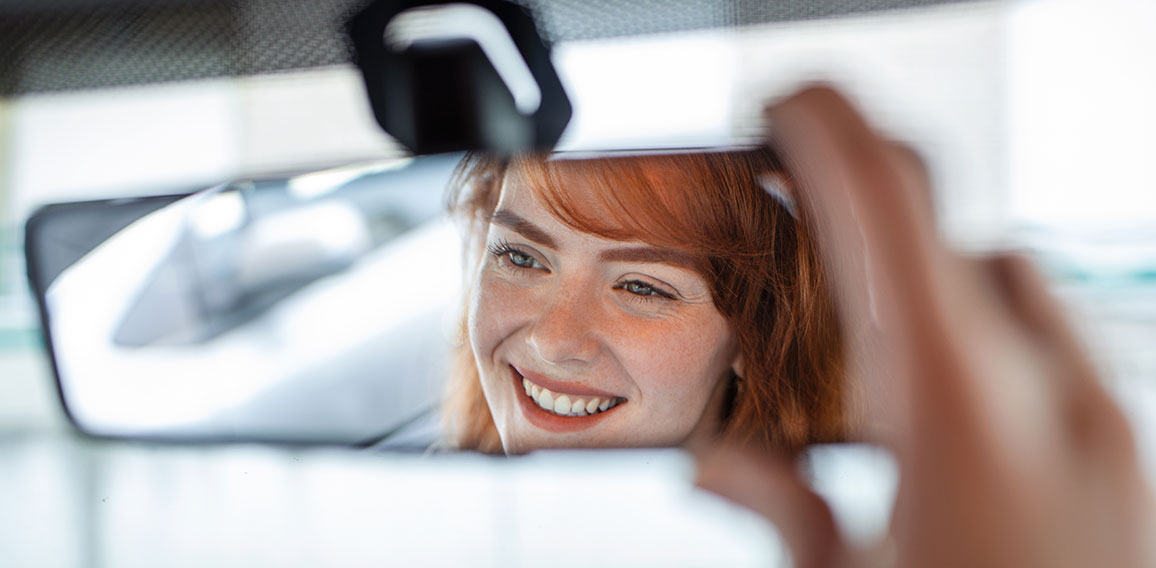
x=759, y=258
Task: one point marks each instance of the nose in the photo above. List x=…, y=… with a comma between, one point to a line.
x=566, y=329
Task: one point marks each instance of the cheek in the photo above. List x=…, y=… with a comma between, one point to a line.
x=494, y=314
x=677, y=366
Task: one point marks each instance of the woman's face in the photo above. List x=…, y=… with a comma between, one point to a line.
x=582, y=341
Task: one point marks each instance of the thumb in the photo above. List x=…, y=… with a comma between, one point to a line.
x=771, y=487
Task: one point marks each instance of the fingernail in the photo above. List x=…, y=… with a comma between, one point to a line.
x=773, y=185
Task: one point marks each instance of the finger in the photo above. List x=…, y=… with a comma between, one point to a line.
x=1094, y=422
x=864, y=192
x=912, y=166
x=772, y=488
x=858, y=186
x=1100, y=444
x=831, y=220
x=915, y=181
x=1027, y=296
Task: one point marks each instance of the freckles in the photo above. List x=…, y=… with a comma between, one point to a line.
x=495, y=310
x=677, y=362
x=684, y=335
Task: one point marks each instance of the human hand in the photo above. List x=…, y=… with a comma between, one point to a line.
x=1010, y=451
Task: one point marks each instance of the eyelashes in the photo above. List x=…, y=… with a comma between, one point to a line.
x=519, y=261
x=518, y=258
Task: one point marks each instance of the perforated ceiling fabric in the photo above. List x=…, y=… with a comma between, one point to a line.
x=54, y=45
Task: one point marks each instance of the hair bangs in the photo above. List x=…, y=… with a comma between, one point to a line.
x=621, y=198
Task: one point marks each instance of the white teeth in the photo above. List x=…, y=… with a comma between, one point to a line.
x=564, y=405
x=546, y=399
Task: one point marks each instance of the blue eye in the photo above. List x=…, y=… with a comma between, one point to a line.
x=643, y=290
x=516, y=257
x=520, y=259
x=640, y=289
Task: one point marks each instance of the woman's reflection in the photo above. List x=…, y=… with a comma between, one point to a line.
x=642, y=300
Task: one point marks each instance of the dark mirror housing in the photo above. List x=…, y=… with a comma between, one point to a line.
x=463, y=75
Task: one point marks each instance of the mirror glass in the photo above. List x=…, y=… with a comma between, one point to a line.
x=304, y=308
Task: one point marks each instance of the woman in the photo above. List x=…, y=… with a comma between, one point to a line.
x=645, y=300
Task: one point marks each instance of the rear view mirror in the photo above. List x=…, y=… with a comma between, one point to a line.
x=468, y=75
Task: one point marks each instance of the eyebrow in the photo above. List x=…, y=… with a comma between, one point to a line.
x=650, y=255
x=516, y=223
x=641, y=254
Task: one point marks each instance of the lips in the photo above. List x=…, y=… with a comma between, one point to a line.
x=561, y=407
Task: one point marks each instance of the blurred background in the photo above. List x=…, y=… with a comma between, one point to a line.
x=1035, y=118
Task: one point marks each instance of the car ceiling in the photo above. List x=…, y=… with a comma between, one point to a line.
x=63, y=45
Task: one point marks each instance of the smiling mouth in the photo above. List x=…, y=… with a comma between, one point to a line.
x=567, y=405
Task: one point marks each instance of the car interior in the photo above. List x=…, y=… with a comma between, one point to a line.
x=225, y=249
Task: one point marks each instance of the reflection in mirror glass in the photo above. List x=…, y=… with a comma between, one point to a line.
x=301, y=308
